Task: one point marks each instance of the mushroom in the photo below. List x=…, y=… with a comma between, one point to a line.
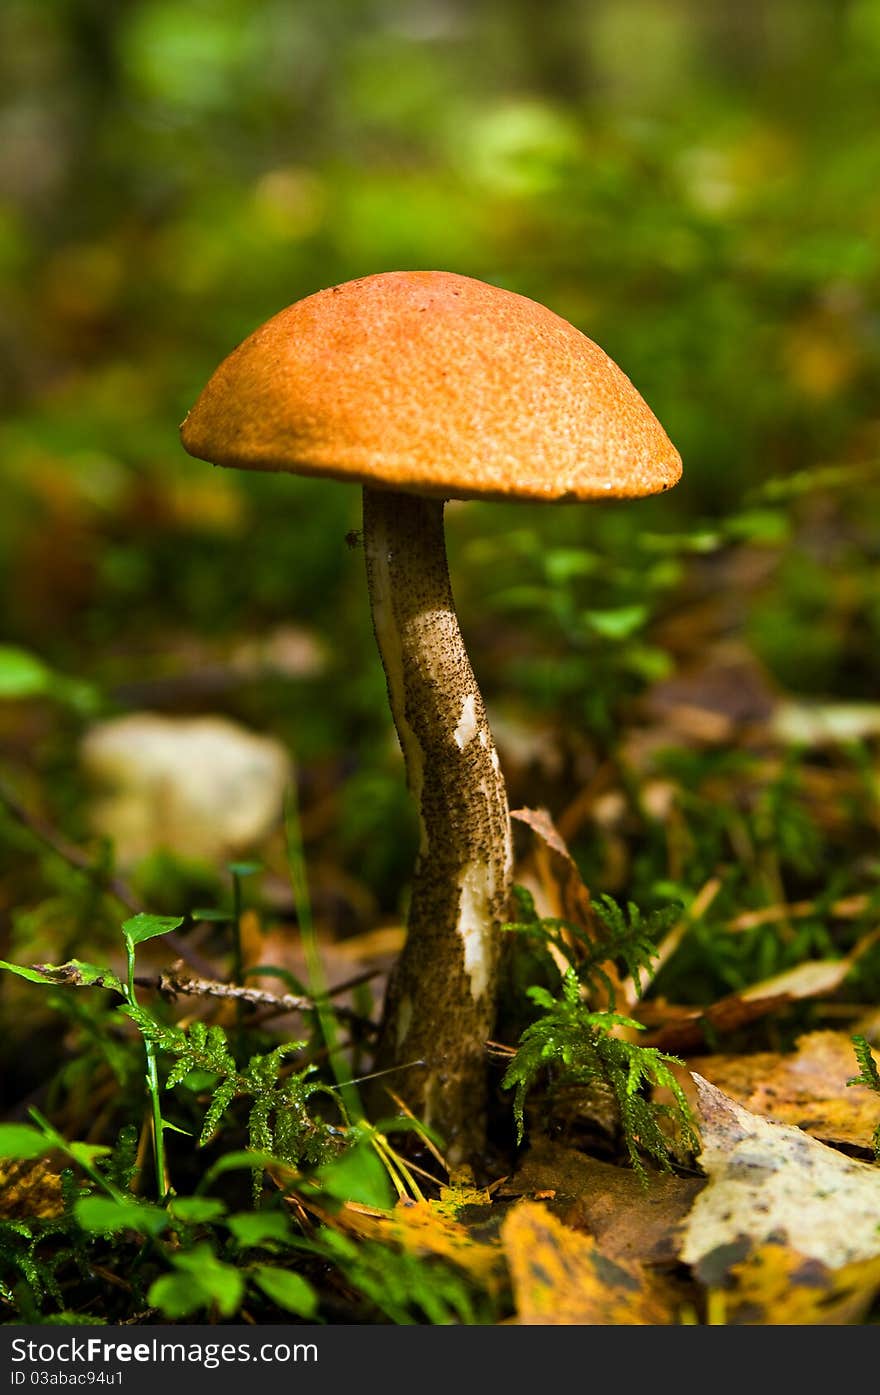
x=424, y=386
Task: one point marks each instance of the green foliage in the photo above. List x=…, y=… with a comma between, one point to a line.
x=200, y=1281
x=21, y=1256
x=74, y=974
x=39, y=1249
x=626, y=938
x=571, y=1043
x=868, y=1076
x=21, y=1141
x=579, y=1046
x=279, y=1121
x=143, y=927
x=587, y=612
x=406, y=1288
x=23, y=675
x=105, y=1215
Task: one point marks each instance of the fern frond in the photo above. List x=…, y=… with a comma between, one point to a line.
x=869, y=1076
x=579, y=1047
x=626, y=938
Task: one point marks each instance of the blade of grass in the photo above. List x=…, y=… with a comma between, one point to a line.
x=317, y=979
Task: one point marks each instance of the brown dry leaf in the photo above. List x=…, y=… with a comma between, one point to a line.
x=626, y=1219
x=552, y=876
x=775, y=1286
x=807, y=1087
x=561, y=888
x=29, y=1187
x=562, y=1278
x=771, y=1182
x=685, y=1027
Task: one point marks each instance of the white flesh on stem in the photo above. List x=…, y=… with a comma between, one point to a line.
x=440, y=1004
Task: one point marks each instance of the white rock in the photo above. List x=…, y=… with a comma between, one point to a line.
x=204, y=787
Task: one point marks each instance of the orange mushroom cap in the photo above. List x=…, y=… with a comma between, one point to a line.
x=432, y=383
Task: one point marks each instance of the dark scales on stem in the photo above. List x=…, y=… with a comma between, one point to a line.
x=441, y=1000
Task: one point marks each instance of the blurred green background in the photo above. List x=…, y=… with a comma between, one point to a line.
x=695, y=186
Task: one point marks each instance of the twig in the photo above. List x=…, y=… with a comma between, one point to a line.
x=354, y=982
x=174, y=984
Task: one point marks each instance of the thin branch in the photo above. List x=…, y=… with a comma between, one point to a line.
x=175, y=984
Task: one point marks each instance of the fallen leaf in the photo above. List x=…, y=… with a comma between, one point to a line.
x=685, y=1027
x=807, y=1087
x=562, y=1278
x=626, y=1219
x=29, y=1187
x=776, y=1286
x=715, y=699
x=552, y=876
x=771, y=1182
x=562, y=891
x=438, y=1229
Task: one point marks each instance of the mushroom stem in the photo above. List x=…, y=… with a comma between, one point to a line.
x=440, y=1004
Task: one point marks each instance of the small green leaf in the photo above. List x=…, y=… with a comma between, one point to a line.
x=289, y=1291
x=104, y=1215
x=768, y=526
x=242, y=1158
x=563, y=563
x=32, y=975
x=21, y=1141
x=196, y=1209
x=357, y=1175
x=618, y=623
x=86, y=1153
x=251, y=1228
x=195, y=1080
x=143, y=927
x=176, y=1296
x=76, y=973
x=203, y=1280
x=22, y=674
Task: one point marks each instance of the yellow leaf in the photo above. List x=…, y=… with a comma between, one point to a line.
x=563, y=1278
x=776, y=1286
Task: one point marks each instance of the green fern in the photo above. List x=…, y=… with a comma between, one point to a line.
x=869, y=1076
x=279, y=1121
x=579, y=1046
x=626, y=938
